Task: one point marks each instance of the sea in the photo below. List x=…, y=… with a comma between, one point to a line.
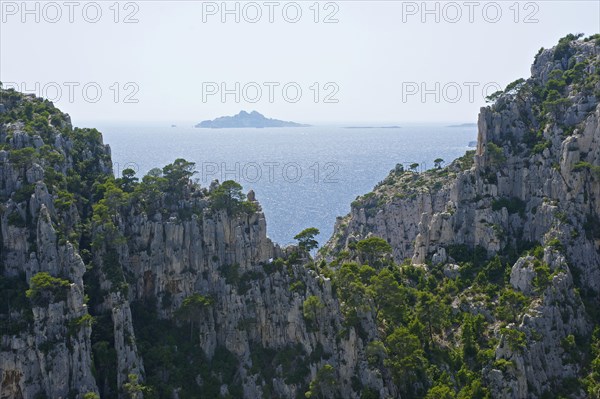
x=302, y=177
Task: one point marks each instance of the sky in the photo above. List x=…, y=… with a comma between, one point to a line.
x=338, y=62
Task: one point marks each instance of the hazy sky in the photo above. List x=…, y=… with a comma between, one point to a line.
x=370, y=63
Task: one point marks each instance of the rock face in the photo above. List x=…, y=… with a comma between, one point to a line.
x=532, y=179
x=117, y=288
x=231, y=260
x=46, y=347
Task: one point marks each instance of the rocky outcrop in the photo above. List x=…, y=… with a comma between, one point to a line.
x=532, y=179
x=231, y=260
x=109, y=260
x=46, y=347
x=120, y=287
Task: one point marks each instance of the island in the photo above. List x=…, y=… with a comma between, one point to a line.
x=464, y=125
x=373, y=127
x=244, y=119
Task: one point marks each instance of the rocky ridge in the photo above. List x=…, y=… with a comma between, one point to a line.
x=533, y=180
x=160, y=287
x=475, y=280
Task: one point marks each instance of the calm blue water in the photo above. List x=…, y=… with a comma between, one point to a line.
x=303, y=177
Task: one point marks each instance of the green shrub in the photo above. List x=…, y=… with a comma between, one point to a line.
x=369, y=393
x=44, y=288
x=466, y=161
x=298, y=286
x=540, y=147
x=496, y=154
x=231, y=274
x=555, y=243
x=515, y=339
x=510, y=305
x=311, y=308
x=563, y=48
x=245, y=281
x=373, y=248
x=15, y=219
x=306, y=239
x=376, y=353
x=503, y=365
x=22, y=157
x=514, y=86
x=542, y=276
x=65, y=200
x=24, y=193
x=272, y=267
x=323, y=384
x=462, y=253
x=84, y=321
x=440, y=392
x=229, y=196
x=512, y=205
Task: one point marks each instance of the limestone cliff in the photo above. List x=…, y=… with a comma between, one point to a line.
x=483, y=282
x=533, y=179
x=159, y=287
x=46, y=347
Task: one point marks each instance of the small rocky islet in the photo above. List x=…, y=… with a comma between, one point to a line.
x=244, y=119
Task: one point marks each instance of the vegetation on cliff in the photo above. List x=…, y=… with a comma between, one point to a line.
x=474, y=280
x=454, y=315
